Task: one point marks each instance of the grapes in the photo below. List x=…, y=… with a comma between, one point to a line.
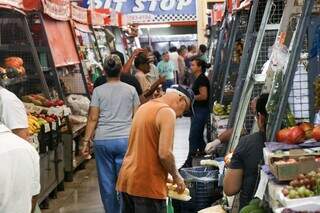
x=303, y=186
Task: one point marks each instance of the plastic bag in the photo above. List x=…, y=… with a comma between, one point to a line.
x=79, y=104
x=200, y=174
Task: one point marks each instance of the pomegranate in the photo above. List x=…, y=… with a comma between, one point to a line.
x=316, y=133
x=282, y=135
x=307, y=128
x=296, y=135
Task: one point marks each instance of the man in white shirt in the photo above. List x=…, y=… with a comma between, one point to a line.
x=19, y=173
x=174, y=56
x=14, y=114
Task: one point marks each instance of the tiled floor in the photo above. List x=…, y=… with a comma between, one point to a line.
x=82, y=195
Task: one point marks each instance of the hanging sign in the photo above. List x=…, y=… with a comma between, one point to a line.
x=217, y=13
x=79, y=14
x=96, y=19
x=14, y=3
x=159, y=11
x=59, y=10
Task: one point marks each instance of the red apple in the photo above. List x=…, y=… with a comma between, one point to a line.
x=295, y=135
x=307, y=128
x=316, y=133
x=60, y=103
x=282, y=135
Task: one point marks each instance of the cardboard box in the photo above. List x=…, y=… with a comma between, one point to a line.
x=287, y=172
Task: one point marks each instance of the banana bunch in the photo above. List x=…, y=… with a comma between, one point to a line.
x=317, y=92
x=219, y=109
x=35, y=124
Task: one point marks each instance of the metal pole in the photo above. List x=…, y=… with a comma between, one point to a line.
x=36, y=58
x=291, y=67
x=217, y=63
x=249, y=82
x=232, y=40
x=247, y=52
x=51, y=61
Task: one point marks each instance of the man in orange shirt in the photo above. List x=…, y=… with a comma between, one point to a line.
x=149, y=159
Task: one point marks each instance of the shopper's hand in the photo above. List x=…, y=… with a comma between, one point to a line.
x=181, y=186
x=86, y=150
x=212, y=146
x=137, y=51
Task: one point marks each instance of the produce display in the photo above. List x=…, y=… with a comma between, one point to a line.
x=303, y=186
x=13, y=68
x=298, y=134
x=36, y=121
x=40, y=100
x=221, y=110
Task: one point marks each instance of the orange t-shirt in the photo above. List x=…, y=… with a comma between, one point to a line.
x=142, y=174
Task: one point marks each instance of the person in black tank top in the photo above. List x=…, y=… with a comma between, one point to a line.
x=201, y=88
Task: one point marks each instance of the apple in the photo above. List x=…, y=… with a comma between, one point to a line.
x=307, y=128
x=282, y=135
x=316, y=133
x=60, y=103
x=296, y=135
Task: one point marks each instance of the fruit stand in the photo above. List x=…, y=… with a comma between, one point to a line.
x=24, y=73
x=86, y=43
x=68, y=75
x=289, y=176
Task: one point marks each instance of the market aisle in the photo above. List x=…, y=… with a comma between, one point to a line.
x=82, y=195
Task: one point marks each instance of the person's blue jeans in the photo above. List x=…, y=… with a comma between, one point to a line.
x=167, y=84
x=109, y=155
x=196, y=139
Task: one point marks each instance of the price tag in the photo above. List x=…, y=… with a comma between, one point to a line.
x=54, y=126
x=47, y=128
x=36, y=140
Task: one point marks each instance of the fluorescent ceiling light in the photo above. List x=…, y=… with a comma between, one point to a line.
x=150, y=26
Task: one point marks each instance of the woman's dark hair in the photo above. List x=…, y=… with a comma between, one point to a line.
x=120, y=54
x=261, y=105
x=111, y=68
x=200, y=63
x=180, y=50
x=157, y=55
x=173, y=49
x=203, y=48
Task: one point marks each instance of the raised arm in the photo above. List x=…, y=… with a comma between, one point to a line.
x=127, y=67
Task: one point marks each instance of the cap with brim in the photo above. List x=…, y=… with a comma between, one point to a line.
x=186, y=92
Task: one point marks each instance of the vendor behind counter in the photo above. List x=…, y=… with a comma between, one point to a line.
x=242, y=175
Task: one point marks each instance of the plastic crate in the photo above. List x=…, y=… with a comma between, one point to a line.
x=203, y=185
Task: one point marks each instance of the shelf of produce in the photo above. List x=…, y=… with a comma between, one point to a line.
x=14, y=81
x=77, y=129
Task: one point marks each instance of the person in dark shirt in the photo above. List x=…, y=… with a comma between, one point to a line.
x=201, y=88
x=242, y=175
x=125, y=76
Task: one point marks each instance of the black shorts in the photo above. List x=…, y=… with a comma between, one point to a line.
x=133, y=204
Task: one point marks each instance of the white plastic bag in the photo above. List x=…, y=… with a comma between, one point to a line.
x=79, y=104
